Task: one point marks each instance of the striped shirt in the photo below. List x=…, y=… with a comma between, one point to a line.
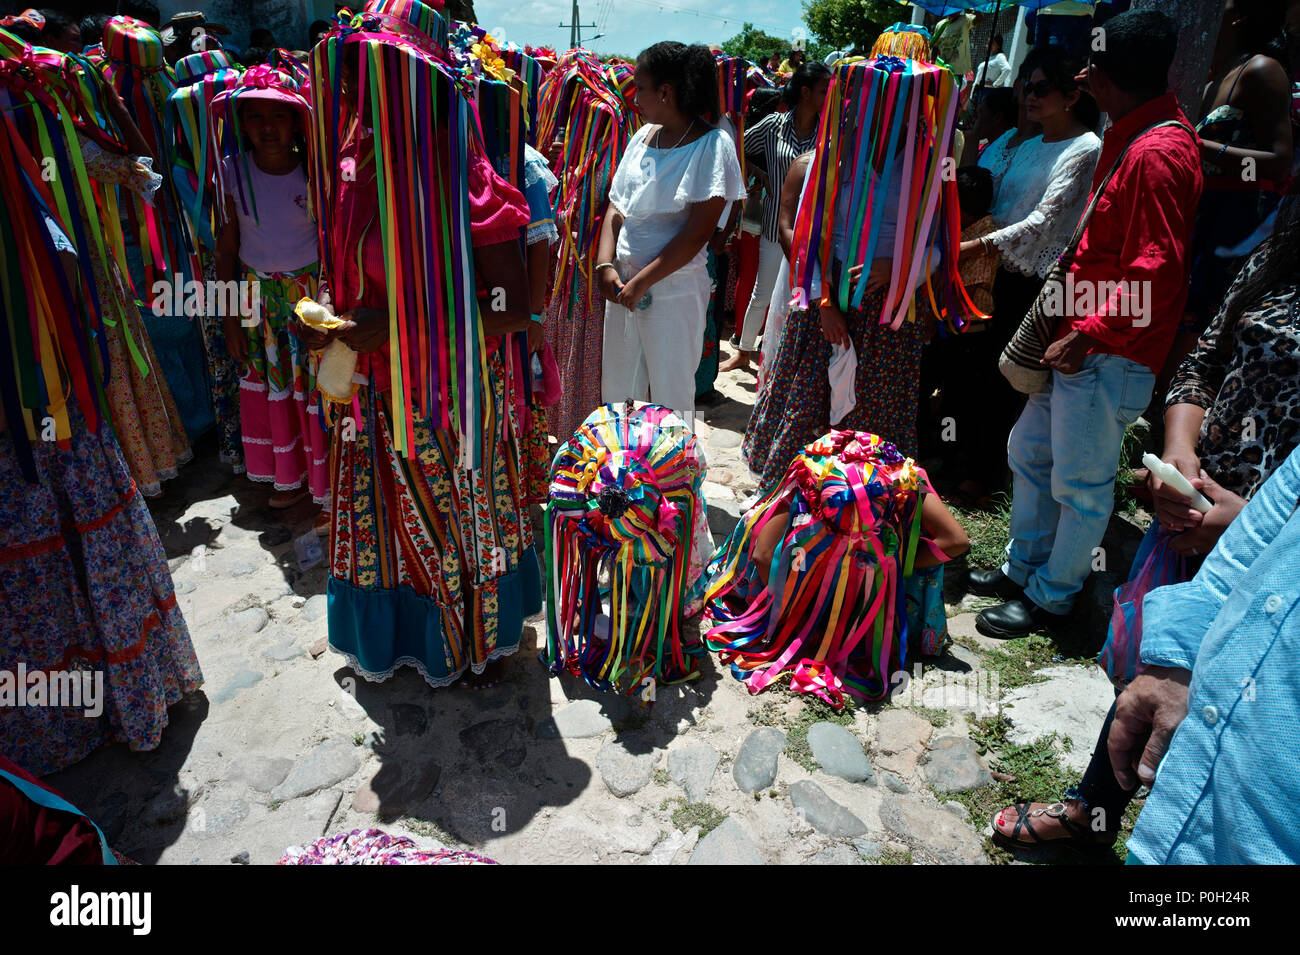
x=772, y=145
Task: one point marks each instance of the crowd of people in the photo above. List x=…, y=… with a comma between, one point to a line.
x=435, y=283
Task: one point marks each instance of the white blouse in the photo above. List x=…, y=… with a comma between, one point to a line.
x=1039, y=200
x=655, y=188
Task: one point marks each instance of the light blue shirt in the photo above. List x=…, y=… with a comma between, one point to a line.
x=1228, y=788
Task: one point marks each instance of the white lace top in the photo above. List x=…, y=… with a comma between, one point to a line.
x=996, y=157
x=1039, y=199
x=655, y=188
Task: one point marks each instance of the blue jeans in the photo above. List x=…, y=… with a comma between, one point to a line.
x=1063, y=453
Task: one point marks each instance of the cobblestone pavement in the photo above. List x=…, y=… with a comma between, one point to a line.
x=284, y=744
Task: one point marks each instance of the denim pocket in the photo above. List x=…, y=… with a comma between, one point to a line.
x=1139, y=381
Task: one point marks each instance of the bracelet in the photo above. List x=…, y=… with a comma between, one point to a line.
x=605, y=265
x=537, y=318
x=1222, y=149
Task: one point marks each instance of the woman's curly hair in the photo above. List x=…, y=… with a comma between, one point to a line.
x=691, y=71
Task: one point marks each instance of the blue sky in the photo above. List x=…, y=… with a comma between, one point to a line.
x=631, y=25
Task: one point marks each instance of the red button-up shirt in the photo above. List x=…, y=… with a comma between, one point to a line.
x=1138, y=236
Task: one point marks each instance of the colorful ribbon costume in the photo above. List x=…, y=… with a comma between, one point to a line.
x=625, y=491
x=832, y=612
x=876, y=108
x=437, y=358
x=52, y=345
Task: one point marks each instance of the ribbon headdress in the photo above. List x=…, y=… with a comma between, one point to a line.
x=876, y=110
x=422, y=128
x=624, y=496
x=200, y=77
x=583, y=105
x=832, y=611
x=135, y=67
x=261, y=82
x=52, y=345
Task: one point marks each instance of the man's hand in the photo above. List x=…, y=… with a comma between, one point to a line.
x=1146, y=715
x=877, y=278
x=1201, y=537
x=1067, y=354
x=536, y=337
x=1172, y=508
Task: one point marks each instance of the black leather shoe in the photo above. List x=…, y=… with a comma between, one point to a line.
x=1016, y=618
x=994, y=583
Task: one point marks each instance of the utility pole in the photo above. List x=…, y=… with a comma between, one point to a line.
x=1198, y=29
x=576, y=28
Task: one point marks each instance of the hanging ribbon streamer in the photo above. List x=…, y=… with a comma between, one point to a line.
x=423, y=127
x=623, y=501
x=887, y=130
x=136, y=69
x=192, y=139
x=831, y=613
x=586, y=106
x=52, y=344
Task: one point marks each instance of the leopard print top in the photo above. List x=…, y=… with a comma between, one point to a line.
x=1247, y=378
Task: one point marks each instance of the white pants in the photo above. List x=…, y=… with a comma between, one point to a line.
x=770, y=258
x=652, y=354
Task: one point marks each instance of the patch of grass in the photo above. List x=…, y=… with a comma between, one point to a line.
x=426, y=828
x=661, y=777
x=987, y=530
x=357, y=739
x=1018, y=664
x=894, y=857
x=1035, y=775
x=796, y=728
x=767, y=713
x=935, y=718
x=687, y=814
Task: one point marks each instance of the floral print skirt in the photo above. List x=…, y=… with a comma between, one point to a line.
x=85, y=587
x=794, y=409
x=146, y=421
x=431, y=565
x=575, y=328
x=279, y=406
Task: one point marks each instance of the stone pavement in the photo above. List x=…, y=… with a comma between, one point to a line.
x=284, y=743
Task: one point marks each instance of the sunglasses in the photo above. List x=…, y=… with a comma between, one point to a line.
x=1039, y=89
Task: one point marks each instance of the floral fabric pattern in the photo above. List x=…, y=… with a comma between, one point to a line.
x=794, y=410
x=85, y=585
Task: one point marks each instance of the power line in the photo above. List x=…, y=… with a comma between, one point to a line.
x=670, y=7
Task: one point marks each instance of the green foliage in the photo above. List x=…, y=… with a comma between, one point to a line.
x=844, y=24
x=753, y=44
x=796, y=728
x=987, y=529
x=702, y=814
x=894, y=857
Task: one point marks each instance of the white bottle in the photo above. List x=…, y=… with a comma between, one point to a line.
x=1175, y=479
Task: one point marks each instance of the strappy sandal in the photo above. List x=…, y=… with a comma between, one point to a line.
x=1077, y=835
